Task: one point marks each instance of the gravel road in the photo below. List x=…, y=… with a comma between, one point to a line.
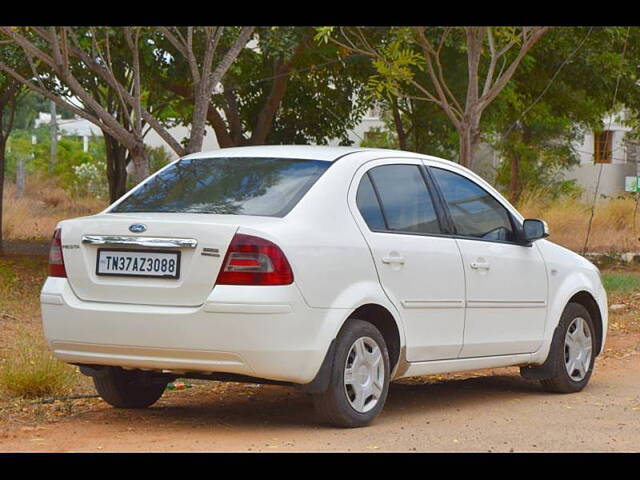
x=489, y=411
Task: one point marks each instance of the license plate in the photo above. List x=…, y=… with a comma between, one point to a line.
x=138, y=263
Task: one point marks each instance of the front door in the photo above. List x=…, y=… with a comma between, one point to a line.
x=506, y=282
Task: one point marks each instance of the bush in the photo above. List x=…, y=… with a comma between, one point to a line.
x=89, y=181
x=31, y=371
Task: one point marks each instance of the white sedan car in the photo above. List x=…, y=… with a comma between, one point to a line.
x=333, y=269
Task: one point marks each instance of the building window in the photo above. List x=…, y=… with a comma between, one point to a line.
x=602, y=142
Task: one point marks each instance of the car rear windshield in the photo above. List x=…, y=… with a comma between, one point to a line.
x=235, y=186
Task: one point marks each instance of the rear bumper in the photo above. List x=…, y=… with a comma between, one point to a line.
x=265, y=332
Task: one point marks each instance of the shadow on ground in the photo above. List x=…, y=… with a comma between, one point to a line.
x=242, y=405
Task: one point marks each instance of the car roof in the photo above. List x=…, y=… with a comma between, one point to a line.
x=303, y=152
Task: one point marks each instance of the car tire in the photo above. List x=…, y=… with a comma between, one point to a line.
x=359, y=379
x=572, y=352
x=128, y=389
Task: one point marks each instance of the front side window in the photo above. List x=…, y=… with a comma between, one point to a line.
x=406, y=202
x=233, y=186
x=475, y=213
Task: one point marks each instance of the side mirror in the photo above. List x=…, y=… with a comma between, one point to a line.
x=535, y=229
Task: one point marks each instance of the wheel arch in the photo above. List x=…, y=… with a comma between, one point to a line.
x=381, y=318
x=587, y=300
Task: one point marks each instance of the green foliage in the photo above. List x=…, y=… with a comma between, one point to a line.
x=79, y=172
x=325, y=93
x=620, y=282
x=158, y=158
x=28, y=107
x=556, y=95
x=323, y=34
x=380, y=138
x=394, y=67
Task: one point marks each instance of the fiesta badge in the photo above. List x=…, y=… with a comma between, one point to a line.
x=138, y=228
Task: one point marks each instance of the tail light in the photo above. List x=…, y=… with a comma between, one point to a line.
x=56, y=260
x=254, y=261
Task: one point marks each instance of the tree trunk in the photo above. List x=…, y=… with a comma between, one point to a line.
x=469, y=133
x=140, y=162
x=53, y=130
x=397, y=120
x=465, y=147
x=514, y=180
x=3, y=144
x=116, y=167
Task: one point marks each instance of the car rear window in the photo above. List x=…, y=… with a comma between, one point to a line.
x=236, y=186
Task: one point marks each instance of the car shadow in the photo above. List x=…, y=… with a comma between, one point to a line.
x=275, y=406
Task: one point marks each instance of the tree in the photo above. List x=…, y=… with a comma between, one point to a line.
x=555, y=96
x=419, y=126
x=491, y=54
x=105, y=75
x=203, y=76
x=9, y=92
x=285, y=88
x=60, y=49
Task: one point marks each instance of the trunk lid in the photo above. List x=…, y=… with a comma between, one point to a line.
x=198, y=267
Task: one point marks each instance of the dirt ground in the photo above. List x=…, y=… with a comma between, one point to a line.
x=489, y=411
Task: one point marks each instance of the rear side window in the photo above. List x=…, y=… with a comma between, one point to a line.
x=475, y=213
x=234, y=186
x=369, y=206
x=406, y=202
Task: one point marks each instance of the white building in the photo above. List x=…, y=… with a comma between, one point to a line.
x=610, y=155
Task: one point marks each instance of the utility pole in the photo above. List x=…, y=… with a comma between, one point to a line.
x=54, y=137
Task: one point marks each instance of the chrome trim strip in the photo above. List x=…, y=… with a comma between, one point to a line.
x=433, y=303
x=506, y=304
x=139, y=241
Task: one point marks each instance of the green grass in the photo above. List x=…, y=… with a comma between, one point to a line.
x=621, y=282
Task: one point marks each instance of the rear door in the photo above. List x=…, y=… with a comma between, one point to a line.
x=419, y=269
x=506, y=282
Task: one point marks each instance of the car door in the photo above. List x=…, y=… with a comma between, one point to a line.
x=419, y=267
x=506, y=281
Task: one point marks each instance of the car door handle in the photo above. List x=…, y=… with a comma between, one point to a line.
x=393, y=260
x=480, y=265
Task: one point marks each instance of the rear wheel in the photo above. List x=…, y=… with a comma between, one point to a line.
x=128, y=389
x=573, y=354
x=359, y=380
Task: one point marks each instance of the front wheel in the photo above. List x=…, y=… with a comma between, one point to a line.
x=359, y=380
x=573, y=355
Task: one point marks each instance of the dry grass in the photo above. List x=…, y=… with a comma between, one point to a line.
x=29, y=370
x=568, y=219
x=27, y=367
x=35, y=215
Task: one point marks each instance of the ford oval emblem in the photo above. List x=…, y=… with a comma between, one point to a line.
x=138, y=228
